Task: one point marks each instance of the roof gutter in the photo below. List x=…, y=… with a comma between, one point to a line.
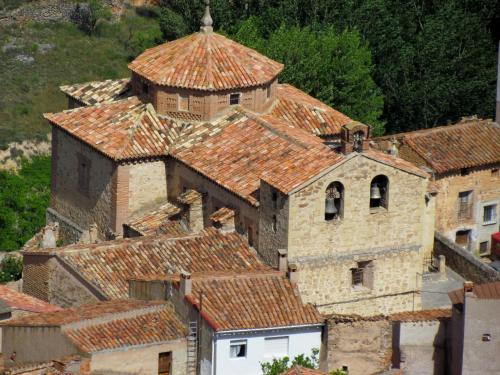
x=250, y=330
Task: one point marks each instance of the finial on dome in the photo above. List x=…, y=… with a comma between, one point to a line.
x=206, y=20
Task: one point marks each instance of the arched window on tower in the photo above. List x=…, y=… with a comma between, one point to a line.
x=334, y=201
x=379, y=192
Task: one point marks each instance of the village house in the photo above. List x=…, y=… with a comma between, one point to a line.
x=241, y=320
x=118, y=337
x=299, y=176
x=464, y=162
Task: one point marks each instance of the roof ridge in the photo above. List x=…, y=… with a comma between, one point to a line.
x=466, y=122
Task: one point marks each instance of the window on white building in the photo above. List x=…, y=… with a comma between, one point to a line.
x=490, y=214
x=276, y=347
x=238, y=348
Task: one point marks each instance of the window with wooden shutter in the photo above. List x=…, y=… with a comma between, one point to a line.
x=164, y=363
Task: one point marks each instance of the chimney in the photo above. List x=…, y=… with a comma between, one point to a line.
x=192, y=213
x=186, y=284
x=224, y=219
x=497, y=117
x=48, y=239
x=282, y=260
x=293, y=274
x=468, y=287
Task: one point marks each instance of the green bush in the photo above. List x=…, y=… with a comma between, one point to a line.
x=11, y=269
x=172, y=24
x=279, y=366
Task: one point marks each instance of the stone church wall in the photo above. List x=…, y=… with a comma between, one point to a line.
x=67, y=198
x=326, y=251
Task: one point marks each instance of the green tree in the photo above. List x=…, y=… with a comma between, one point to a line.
x=88, y=15
x=280, y=365
x=172, y=24
x=332, y=66
x=24, y=197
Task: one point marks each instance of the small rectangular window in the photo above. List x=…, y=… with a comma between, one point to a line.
x=183, y=102
x=238, y=349
x=276, y=347
x=234, y=99
x=83, y=174
x=490, y=214
x=268, y=92
x=362, y=275
x=483, y=247
x=465, y=205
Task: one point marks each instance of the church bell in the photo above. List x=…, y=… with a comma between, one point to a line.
x=330, y=208
x=375, y=192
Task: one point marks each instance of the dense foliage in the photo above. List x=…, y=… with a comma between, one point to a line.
x=11, y=269
x=280, y=365
x=434, y=61
x=24, y=196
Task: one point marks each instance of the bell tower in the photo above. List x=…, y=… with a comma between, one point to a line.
x=355, y=136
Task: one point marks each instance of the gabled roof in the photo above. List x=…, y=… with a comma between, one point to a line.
x=250, y=148
x=470, y=143
x=482, y=291
x=124, y=129
x=303, y=111
x=19, y=301
x=108, y=265
x=90, y=93
x=205, y=61
x=252, y=300
x=157, y=221
x=151, y=326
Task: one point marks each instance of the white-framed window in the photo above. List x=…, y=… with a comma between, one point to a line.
x=490, y=214
x=276, y=347
x=234, y=98
x=238, y=349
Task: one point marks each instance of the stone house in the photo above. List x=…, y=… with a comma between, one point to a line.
x=240, y=320
x=464, y=162
x=122, y=336
x=299, y=176
x=475, y=329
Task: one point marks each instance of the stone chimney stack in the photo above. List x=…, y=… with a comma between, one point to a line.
x=224, y=219
x=293, y=273
x=192, y=213
x=282, y=260
x=497, y=113
x=186, y=284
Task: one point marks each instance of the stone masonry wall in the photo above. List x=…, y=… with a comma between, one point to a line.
x=325, y=251
x=36, y=276
x=147, y=185
x=485, y=187
x=463, y=262
x=66, y=197
x=365, y=346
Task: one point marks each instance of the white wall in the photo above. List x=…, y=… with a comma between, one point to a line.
x=300, y=341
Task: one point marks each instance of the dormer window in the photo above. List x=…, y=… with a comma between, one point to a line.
x=234, y=99
x=379, y=193
x=334, y=201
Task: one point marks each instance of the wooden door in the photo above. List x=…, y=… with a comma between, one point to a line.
x=164, y=363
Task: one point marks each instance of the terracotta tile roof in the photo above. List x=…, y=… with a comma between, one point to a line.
x=20, y=301
x=188, y=197
x=90, y=93
x=222, y=215
x=124, y=129
x=80, y=313
x=149, y=327
x=299, y=370
x=158, y=221
x=303, y=111
x=470, y=143
x=249, y=149
x=484, y=291
x=420, y=316
x=395, y=162
x=205, y=61
x=108, y=265
x=251, y=300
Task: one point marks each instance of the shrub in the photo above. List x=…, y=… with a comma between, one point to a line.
x=11, y=269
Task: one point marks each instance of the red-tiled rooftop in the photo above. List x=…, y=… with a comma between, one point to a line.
x=303, y=111
x=125, y=129
x=90, y=93
x=157, y=326
x=251, y=301
x=470, y=143
x=108, y=265
x=78, y=314
x=20, y=301
x=483, y=291
x=158, y=221
x=299, y=370
x=421, y=316
x=205, y=61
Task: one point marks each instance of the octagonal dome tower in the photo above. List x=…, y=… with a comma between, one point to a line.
x=202, y=75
